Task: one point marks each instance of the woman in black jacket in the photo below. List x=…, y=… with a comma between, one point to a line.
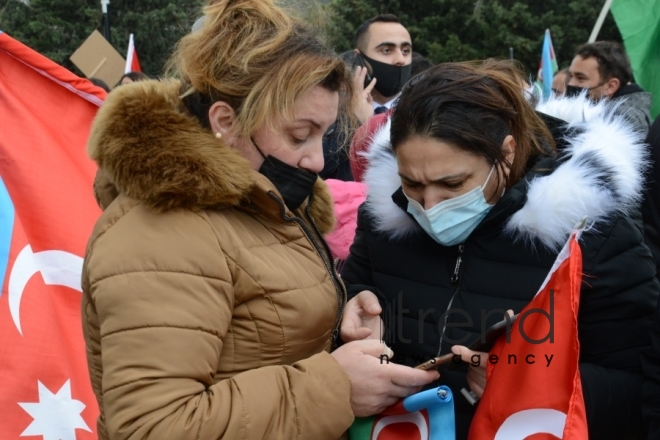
x=468, y=207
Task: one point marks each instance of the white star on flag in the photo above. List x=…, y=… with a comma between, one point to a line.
x=56, y=416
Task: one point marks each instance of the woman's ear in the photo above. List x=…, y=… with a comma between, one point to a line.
x=222, y=119
x=509, y=148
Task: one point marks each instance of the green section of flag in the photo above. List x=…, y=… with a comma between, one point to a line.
x=639, y=23
x=361, y=428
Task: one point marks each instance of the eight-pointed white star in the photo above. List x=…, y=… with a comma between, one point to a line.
x=56, y=416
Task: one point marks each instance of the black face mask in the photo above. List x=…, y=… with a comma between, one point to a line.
x=389, y=79
x=294, y=184
x=573, y=91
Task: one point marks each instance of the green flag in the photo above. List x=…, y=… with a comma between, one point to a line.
x=639, y=23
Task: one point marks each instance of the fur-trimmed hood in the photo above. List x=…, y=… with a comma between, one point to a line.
x=153, y=150
x=600, y=174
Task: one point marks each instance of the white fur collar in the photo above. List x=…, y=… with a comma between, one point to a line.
x=602, y=175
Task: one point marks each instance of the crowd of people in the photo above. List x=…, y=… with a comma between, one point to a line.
x=266, y=206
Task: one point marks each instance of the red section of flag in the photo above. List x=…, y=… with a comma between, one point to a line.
x=135, y=63
x=132, y=63
x=540, y=395
x=45, y=114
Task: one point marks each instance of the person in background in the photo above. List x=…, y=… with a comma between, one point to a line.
x=560, y=81
x=210, y=301
x=419, y=64
x=348, y=196
x=383, y=48
x=468, y=206
x=130, y=77
x=100, y=83
x=602, y=70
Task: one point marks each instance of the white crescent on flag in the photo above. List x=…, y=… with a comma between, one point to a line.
x=56, y=267
x=522, y=424
x=416, y=418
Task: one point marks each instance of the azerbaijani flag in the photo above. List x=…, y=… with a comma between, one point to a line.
x=548, y=66
x=427, y=415
x=47, y=213
x=639, y=23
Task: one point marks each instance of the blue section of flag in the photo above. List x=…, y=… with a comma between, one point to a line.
x=439, y=403
x=6, y=230
x=547, y=74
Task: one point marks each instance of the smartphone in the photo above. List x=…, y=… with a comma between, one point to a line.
x=492, y=334
x=359, y=61
x=435, y=362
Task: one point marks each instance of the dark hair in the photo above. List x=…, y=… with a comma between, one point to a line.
x=134, y=76
x=100, y=83
x=612, y=60
x=419, y=64
x=362, y=33
x=474, y=109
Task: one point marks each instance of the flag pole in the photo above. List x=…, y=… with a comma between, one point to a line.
x=106, y=19
x=601, y=19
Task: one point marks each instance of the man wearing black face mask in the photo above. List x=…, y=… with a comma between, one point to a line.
x=384, y=51
x=602, y=69
x=384, y=47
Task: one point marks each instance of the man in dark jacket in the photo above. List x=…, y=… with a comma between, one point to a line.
x=603, y=69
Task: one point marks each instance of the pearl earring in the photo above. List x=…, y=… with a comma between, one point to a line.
x=218, y=135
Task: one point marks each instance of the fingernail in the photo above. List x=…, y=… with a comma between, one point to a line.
x=387, y=351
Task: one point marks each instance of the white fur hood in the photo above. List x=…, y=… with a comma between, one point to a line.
x=602, y=175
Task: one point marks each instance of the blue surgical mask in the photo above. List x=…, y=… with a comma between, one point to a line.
x=451, y=222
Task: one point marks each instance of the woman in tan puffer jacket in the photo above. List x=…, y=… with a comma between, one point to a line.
x=210, y=298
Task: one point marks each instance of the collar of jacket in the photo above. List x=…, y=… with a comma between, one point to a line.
x=628, y=89
x=149, y=147
x=599, y=173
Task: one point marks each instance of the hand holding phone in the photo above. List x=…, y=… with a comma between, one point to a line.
x=485, y=343
x=363, y=84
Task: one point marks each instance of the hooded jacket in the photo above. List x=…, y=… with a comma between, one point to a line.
x=635, y=104
x=503, y=263
x=208, y=306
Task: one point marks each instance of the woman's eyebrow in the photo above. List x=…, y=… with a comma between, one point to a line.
x=311, y=121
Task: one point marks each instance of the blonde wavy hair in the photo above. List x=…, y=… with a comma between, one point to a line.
x=259, y=59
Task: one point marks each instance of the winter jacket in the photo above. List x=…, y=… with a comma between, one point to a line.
x=635, y=104
x=503, y=263
x=208, y=306
x=336, y=164
x=651, y=202
x=361, y=141
x=651, y=212
x=347, y=198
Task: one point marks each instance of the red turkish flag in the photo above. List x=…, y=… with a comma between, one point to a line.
x=539, y=395
x=132, y=62
x=47, y=212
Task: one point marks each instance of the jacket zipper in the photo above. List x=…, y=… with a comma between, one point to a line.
x=324, y=253
x=457, y=268
x=454, y=280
